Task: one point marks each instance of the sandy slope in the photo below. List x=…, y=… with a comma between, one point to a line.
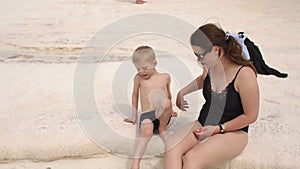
x=38, y=120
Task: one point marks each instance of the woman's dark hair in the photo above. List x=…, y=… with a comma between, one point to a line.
x=210, y=35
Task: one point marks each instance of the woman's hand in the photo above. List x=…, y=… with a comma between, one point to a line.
x=181, y=103
x=206, y=131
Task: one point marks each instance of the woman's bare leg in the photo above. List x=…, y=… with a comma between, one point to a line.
x=178, y=144
x=216, y=149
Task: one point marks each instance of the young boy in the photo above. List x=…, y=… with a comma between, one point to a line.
x=155, y=99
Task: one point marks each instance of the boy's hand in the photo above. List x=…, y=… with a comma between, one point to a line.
x=133, y=121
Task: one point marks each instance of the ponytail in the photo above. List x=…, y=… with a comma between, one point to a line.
x=210, y=35
x=233, y=50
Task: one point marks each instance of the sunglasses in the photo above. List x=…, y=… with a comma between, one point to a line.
x=202, y=55
x=139, y=69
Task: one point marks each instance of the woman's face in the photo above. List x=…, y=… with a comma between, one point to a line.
x=206, y=57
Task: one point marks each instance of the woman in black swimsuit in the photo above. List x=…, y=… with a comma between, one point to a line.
x=231, y=103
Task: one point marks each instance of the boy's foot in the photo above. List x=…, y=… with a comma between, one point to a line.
x=135, y=164
x=140, y=2
x=129, y=121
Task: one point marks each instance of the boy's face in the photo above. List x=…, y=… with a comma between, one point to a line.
x=145, y=68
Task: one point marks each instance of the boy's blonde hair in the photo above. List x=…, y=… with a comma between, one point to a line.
x=145, y=53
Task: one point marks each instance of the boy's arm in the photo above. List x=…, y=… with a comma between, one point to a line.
x=135, y=98
x=168, y=88
x=174, y=114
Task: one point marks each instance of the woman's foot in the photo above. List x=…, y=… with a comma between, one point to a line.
x=140, y=2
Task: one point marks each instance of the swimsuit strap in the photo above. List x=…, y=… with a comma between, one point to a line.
x=237, y=73
x=233, y=80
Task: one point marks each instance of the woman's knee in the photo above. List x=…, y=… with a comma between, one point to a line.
x=172, y=153
x=171, y=148
x=189, y=157
x=193, y=159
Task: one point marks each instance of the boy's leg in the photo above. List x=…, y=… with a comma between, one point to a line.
x=142, y=141
x=164, y=113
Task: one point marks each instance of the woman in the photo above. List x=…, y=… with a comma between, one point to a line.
x=231, y=103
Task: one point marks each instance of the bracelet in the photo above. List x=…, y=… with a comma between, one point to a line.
x=222, y=128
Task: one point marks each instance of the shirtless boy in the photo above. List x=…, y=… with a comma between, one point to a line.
x=153, y=88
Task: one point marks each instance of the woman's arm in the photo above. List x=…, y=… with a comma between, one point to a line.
x=195, y=84
x=191, y=87
x=247, y=86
